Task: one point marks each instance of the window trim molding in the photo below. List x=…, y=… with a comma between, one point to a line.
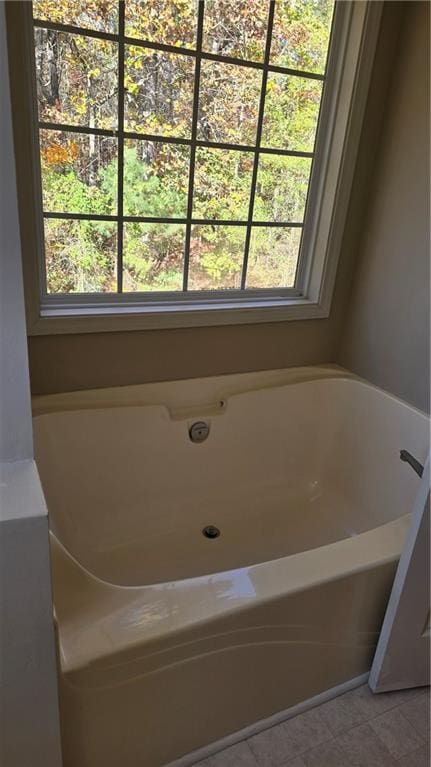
x=349, y=69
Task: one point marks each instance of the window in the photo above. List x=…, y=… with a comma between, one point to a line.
x=185, y=151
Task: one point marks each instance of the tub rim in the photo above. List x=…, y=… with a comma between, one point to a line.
x=176, y=607
x=174, y=395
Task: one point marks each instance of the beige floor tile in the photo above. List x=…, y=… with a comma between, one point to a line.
x=372, y=704
x=272, y=747
x=383, y=730
x=307, y=730
x=419, y=758
x=360, y=705
x=417, y=712
x=364, y=749
x=396, y=732
x=342, y=713
x=423, y=692
x=238, y=755
x=328, y=754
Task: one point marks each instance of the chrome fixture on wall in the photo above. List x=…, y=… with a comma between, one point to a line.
x=414, y=463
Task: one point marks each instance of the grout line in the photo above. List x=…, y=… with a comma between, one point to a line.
x=193, y=758
x=335, y=738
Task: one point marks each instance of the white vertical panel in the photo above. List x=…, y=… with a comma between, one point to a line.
x=15, y=414
x=402, y=657
x=29, y=719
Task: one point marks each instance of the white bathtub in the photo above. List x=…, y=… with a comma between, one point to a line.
x=169, y=641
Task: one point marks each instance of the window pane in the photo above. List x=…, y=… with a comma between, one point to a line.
x=281, y=189
x=78, y=173
x=291, y=112
x=236, y=28
x=228, y=103
x=273, y=257
x=80, y=256
x=216, y=257
x=222, y=184
x=89, y=14
x=159, y=92
x=300, y=36
x=153, y=257
x=156, y=178
x=76, y=79
x=172, y=23
x=77, y=84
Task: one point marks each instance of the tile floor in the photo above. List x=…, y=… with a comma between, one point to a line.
x=357, y=729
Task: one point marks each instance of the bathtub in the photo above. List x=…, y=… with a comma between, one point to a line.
x=169, y=641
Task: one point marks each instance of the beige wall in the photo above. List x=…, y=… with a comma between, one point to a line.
x=71, y=362
x=66, y=363
x=386, y=337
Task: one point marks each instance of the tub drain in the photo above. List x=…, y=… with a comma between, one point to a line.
x=210, y=531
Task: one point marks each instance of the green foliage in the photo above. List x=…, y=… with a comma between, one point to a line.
x=77, y=84
x=153, y=256
x=216, y=257
x=281, y=190
x=65, y=192
x=300, y=34
x=222, y=184
x=273, y=257
x=291, y=112
x=81, y=256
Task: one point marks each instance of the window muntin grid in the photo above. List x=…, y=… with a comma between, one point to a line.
x=248, y=221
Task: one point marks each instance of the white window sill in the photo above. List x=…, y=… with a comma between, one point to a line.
x=66, y=318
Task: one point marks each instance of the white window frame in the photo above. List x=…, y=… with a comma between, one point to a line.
x=354, y=39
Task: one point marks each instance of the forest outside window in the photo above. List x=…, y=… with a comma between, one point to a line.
x=178, y=147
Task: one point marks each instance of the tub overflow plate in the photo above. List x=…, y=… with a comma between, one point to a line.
x=199, y=431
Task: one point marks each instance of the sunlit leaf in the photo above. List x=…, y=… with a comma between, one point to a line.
x=273, y=257
x=153, y=257
x=73, y=168
x=301, y=32
x=159, y=97
x=155, y=179
x=281, y=189
x=222, y=184
x=67, y=91
x=291, y=112
x=101, y=15
x=216, y=257
x=80, y=256
x=173, y=22
x=228, y=103
x=236, y=28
